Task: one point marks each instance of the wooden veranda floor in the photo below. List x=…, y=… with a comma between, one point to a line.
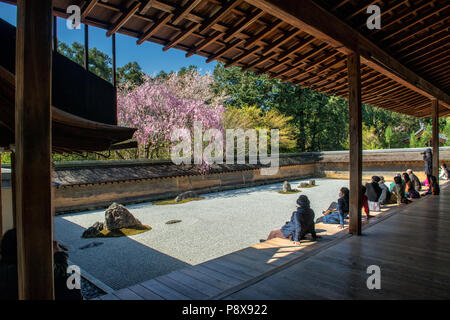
x=410, y=244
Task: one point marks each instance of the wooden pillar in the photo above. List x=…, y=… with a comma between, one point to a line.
x=86, y=47
x=33, y=149
x=355, y=133
x=1, y=212
x=13, y=186
x=435, y=136
x=114, y=66
x=55, y=33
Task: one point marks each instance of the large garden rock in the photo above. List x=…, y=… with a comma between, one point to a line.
x=287, y=187
x=186, y=195
x=312, y=182
x=117, y=217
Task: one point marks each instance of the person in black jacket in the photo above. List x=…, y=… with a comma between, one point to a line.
x=385, y=196
x=306, y=218
x=301, y=223
x=373, y=193
x=8, y=272
x=8, y=267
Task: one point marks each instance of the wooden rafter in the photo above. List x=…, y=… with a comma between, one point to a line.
x=88, y=8
x=183, y=12
x=155, y=27
x=311, y=18
x=124, y=18
x=219, y=15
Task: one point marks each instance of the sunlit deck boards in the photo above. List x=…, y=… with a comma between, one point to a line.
x=410, y=246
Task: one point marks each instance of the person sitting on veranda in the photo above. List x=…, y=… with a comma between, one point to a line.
x=385, y=196
x=8, y=272
x=434, y=186
x=373, y=193
x=365, y=202
x=8, y=267
x=398, y=192
x=337, y=212
x=301, y=223
x=414, y=179
x=410, y=191
x=444, y=172
x=391, y=186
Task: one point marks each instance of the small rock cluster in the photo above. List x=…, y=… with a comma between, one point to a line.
x=186, y=195
x=116, y=217
x=287, y=187
x=310, y=183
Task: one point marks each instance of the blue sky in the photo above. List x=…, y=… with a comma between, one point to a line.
x=149, y=55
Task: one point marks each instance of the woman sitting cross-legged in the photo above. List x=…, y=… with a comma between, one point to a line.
x=337, y=215
x=302, y=223
x=398, y=191
x=410, y=190
x=434, y=186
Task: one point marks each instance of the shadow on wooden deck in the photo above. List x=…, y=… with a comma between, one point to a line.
x=222, y=277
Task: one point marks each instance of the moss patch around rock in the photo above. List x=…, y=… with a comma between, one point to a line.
x=289, y=192
x=309, y=186
x=166, y=202
x=123, y=232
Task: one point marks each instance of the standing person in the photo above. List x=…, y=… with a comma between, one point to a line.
x=428, y=158
x=414, y=179
x=385, y=194
x=373, y=194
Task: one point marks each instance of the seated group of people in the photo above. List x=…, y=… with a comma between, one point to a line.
x=9, y=277
x=406, y=186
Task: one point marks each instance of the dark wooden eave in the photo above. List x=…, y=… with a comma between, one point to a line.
x=305, y=42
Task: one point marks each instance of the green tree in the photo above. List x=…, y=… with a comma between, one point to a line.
x=413, y=141
x=244, y=88
x=99, y=62
x=370, y=138
x=131, y=73
x=389, y=137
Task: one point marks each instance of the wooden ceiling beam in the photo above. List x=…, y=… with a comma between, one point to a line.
x=183, y=12
x=225, y=50
x=146, y=5
x=243, y=25
x=181, y=36
x=219, y=15
x=89, y=5
x=264, y=33
x=204, y=43
x=155, y=27
x=313, y=19
x=412, y=24
x=132, y=9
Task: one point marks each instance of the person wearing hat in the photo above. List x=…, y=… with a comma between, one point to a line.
x=301, y=223
x=428, y=158
x=373, y=193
